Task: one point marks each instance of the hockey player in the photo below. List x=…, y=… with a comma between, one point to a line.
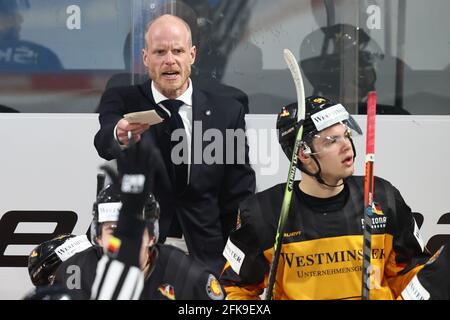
x=170, y=274
x=44, y=260
x=433, y=281
x=134, y=265
x=160, y=264
x=104, y=222
x=321, y=253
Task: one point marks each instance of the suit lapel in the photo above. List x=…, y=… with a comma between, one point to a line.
x=146, y=89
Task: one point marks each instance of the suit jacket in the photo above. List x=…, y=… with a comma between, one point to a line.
x=206, y=210
x=207, y=84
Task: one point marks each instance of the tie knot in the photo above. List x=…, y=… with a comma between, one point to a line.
x=173, y=105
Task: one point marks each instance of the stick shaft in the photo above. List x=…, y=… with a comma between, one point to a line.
x=368, y=194
x=298, y=81
x=283, y=216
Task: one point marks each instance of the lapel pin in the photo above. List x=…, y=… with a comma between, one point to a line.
x=208, y=112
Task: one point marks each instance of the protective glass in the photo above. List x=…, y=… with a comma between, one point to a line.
x=109, y=226
x=320, y=143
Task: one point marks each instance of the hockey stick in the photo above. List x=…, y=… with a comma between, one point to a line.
x=368, y=193
x=100, y=182
x=297, y=76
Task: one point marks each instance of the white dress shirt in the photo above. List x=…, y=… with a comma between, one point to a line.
x=185, y=113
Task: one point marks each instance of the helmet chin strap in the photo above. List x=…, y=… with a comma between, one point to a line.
x=320, y=179
x=317, y=174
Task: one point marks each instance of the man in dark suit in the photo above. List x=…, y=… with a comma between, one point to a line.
x=197, y=199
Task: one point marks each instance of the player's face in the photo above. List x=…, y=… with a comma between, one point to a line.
x=168, y=56
x=107, y=231
x=147, y=242
x=334, y=153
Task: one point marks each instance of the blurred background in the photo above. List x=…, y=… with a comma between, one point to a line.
x=58, y=56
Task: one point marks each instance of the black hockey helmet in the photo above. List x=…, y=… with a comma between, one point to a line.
x=320, y=113
x=106, y=208
x=108, y=205
x=43, y=260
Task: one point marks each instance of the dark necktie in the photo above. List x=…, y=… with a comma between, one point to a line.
x=174, y=106
x=175, y=122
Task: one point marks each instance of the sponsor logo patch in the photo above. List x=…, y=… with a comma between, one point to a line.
x=72, y=247
x=234, y=255
x=292, y=234
x=415, y=291
x=213, y=288
x=109, y=211
x=330, y=116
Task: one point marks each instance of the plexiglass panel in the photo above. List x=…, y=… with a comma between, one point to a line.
x=60, y=55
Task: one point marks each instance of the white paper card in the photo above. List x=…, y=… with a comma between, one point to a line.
x=150, y=117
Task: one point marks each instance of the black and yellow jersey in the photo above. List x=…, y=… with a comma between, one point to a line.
x=174, y=276
x=77, y=274
x=178, y=276
x=321, y=253
x=432, y=282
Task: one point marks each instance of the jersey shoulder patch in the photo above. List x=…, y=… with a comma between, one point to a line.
x=213, y=288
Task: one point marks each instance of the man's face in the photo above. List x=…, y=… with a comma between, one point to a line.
x=168, y=56
x=107, y=230
x=335, y=153
x=147, y=242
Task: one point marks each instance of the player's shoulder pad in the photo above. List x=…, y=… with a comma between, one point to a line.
x=262, y=209
x=255, y=228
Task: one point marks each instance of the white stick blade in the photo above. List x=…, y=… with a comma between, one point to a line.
x=298, y=81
